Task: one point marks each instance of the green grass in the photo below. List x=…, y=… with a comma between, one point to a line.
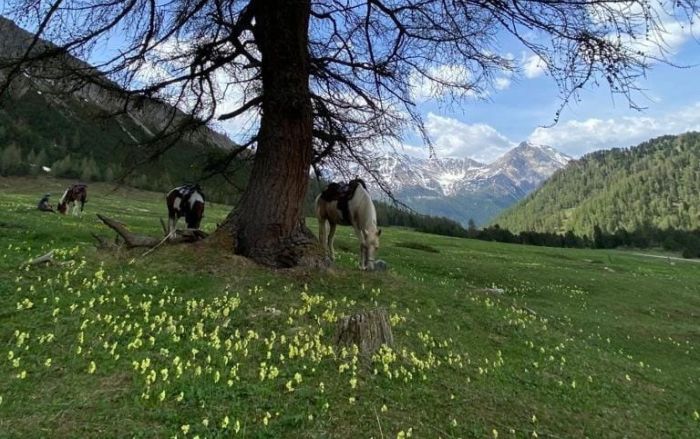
x=488, y=337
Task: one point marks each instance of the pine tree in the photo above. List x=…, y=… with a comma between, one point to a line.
x=11, y=161
x=109, y=174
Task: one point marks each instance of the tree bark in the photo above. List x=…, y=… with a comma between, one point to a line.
x=268, y=224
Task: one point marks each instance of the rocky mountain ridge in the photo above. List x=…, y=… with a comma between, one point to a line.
x=57, y=80
x=463, y=188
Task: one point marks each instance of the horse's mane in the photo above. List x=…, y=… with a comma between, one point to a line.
x=64, y=197
x=367, y=212
x=356, y=182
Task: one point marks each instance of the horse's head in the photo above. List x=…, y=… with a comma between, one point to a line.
x=370, y=240
x=62, y=207
x=195, y=214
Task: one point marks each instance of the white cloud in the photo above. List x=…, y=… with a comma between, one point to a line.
x=665, y=42
x=671, y=28
x=579, y=137
x=533, y=66
x=502, y=83
x=453, y=138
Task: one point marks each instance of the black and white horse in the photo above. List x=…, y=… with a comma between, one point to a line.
x=75, y=195
x=187, y=201
x=349, y=204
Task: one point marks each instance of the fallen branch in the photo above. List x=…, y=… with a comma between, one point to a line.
x=44, y=259
x=133, y=240
x=103, y=243
x=156, y=246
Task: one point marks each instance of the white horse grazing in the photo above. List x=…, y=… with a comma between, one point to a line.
x=349, y=204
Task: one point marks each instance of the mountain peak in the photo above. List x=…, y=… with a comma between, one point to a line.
x=462, y=188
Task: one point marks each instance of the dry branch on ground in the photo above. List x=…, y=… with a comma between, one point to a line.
x=133, y=240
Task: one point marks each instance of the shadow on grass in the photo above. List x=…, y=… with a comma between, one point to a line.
x=417, y=246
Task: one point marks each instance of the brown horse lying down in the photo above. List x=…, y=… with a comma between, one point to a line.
x=349, y=204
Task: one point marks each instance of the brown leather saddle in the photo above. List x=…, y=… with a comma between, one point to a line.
x=342, y=193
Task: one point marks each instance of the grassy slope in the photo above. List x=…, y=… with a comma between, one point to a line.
x=581, y=342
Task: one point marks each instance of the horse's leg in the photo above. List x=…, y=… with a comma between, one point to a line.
x=331, y=237
x=361, y=240
x=322, y=237
x=363, y=256
x=172, y=222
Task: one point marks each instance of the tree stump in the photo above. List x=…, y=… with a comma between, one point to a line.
x=367, y=330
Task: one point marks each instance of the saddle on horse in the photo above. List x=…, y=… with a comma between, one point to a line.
x=342, y=193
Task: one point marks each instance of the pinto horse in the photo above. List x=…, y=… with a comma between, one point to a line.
x=349, y=204
x=76, y=194
x=187, y=201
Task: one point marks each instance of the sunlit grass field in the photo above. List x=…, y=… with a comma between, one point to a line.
x=491, y=340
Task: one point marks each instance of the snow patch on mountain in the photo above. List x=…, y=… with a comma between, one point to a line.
x=462, y=188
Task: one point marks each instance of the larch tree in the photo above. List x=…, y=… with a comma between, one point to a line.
x=331, y=81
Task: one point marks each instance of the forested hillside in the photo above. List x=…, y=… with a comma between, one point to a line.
x=656, y=183
x=64, y=128
x=75, y=139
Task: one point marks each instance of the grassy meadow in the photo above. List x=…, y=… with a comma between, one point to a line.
x=491, y=340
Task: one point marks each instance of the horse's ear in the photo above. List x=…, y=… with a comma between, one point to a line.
x=379, y=232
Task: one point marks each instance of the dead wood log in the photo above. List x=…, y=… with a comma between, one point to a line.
x=367, y=330
x=131, y=239
x=46, y=259
x=137, y=240
x=43, y=259
x=104, y=243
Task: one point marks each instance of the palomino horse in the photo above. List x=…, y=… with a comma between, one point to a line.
x=349, y=204
x=75, y=194
x=187, y=201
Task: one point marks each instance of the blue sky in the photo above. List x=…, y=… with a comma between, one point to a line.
x=484, y=129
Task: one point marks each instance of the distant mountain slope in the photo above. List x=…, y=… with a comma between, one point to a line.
x=655, y=183
x=146, y=116
x=69, y=127
x=461, y=189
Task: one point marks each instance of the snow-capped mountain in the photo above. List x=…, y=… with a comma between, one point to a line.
x=464, y=188
x=432, y=176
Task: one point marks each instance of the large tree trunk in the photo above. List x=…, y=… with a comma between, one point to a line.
x=268, y=225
